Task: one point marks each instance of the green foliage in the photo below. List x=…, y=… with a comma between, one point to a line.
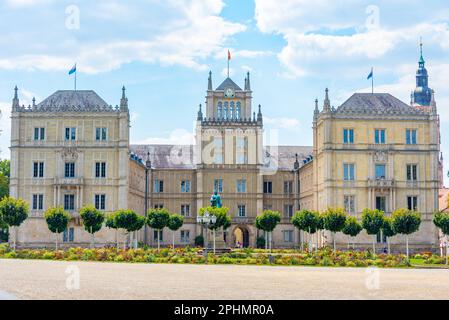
x=306, y=220
x=13, y=212
x=223, y=220
x=175, y=222
x=406, y=221
x=199, y=241
x=5, y=167
x=4, y=178
x=372, y=221
x=334, y=219
x=158, y=218
x=92, y=219
x=128, y=220
x=352, y=227
x=260, y=242
x=268, y=220
x=57, y=219
x=110, y=221
x=441, y=220
x=387, y=228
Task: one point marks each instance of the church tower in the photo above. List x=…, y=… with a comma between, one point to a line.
x=422, y=96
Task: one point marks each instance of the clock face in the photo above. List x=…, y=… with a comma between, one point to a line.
x=229, y=93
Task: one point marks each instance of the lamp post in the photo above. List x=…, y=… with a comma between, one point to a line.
x=147, y=168
x=207, y=221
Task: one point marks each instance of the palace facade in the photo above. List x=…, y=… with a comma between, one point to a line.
x=373, y=151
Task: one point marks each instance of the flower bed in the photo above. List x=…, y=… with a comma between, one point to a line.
x=324, y=257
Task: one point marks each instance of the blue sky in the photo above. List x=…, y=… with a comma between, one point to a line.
x=162, y=50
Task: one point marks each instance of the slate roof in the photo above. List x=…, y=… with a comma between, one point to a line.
x=70, y=100
x=376, y=104
x=228, y=83
x=182, y=156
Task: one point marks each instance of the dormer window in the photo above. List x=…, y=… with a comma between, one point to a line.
x=220, y=110
x=238, y=111
x=225, y=110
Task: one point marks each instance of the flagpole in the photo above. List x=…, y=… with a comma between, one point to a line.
x=228, y=64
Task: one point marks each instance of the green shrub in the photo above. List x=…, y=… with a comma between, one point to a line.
x=199, y=241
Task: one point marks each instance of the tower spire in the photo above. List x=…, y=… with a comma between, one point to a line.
x=200, y=114
x=327, y=102
x=209, y=82
x=247, y=83
x=124, y=100
x=15, y=100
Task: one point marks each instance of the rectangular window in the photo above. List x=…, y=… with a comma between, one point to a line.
x=100, y=201
x=348, y=172
x=101, y=134
x=288, y=187
x=412, y=172
x=412, y=203
x=38, y=202
x=410, y=136
x=69, y=170
x=70, y=134
x=158, y=206
x=241, y=186
x=39, y=134
x=288, y=235
x=348, y=136
x=158, y=186
x=185, y=236
x=185, y=210
x=381, y=204
x=267, y=207
x=381, y=238
x=185, y=186
x=379, y=136
x=288, y=210
x=349, y=202
x=161, y=235
x=38, y=170
x=69, y=202
x=242, y=210
x=100, y=170
x=240, y=150
x=268, y=187
x=380, y=171
x=218, y=185
x=69, y=235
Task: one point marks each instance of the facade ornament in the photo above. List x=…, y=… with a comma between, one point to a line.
x=380, y=156
x=69, y=154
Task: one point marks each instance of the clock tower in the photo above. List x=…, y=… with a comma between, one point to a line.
x=229, y=155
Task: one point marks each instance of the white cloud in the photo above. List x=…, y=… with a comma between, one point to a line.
x=176, y=137
x=282, y=123
x=194, y=32
x=5, y=133
x=26, y=3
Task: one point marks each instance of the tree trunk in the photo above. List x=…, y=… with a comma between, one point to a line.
x=57, y=234
x=349, y=242
x=158, y=240
x=301, y=235
x=266, y=239
x=389, y=247
x=353, y=243
x=92, y=241
x=214, y=241
x=116, y=238
x=406, y=245
x=335, y=245
x=271, y=240
x=310, y=240
x=374, y=244
x=173, y=239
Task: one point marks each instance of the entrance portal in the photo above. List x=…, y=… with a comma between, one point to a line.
x=241, y=237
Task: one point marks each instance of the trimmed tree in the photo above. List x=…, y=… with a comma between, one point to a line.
x=174, y=223
x=388, y=231
x=441, y=220
x=307, y=221
x=267, y=222
x=406, y=222
x=92, y=220
x=111, y=224
x=352, y=228
x=223, y=219
x=334, y=221
x=13, y=212
x=372, y=222
x=158, y=220
x=57, y=221
x=129, y=221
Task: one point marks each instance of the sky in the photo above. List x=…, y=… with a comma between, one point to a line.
x=162, y=51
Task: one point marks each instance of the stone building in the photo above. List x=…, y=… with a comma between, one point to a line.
x=373, y=151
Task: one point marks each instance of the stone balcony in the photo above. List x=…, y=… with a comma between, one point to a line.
x=380, y=183
x=69, y=181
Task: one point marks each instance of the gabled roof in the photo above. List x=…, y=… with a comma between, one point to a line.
x=376, y=104
x=70, y=100
x=228, y=83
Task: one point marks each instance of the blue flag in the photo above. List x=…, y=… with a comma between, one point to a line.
x=371, y=74
x=73, y=70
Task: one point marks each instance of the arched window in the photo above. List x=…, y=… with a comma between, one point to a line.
x=238, y=111
x=225, y=111
x=220, y=110
x=231, y=111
